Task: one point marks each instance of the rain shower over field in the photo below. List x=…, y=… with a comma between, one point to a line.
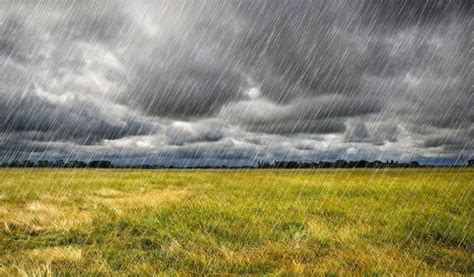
x=193, y=83
x=227, y=137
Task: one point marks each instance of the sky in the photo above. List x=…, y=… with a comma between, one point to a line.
x=231, y=83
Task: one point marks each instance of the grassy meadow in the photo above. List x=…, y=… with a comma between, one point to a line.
x=262, y=222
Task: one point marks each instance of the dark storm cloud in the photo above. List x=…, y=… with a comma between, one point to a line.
x=190, y=76
x=81, y=122
x=16, y=41
x=399, y=14
x=379, y=134
x=195, y=74
x=444, y=141
x=100, y=26
x=7, y=45
x=325, y=114
x=183, y=133
x=190, y=90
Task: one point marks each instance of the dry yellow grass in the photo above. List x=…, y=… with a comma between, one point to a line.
x=39, y=216
x=116, y=200
x=59, y=214
x=50, y=254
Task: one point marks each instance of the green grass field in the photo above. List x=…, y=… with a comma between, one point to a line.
x=393, y=221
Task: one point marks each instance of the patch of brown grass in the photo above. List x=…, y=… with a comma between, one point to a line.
x=40, y=216
x=58, y=214
x=50, y=254
x=118, y=201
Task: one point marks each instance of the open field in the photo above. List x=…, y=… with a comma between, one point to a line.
x=393, y=221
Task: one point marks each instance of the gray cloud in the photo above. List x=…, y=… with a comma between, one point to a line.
x=181, y=133
x=191, y=78
x=325, y=114
x=81, y=122
x=400, y=14
x=377, y=134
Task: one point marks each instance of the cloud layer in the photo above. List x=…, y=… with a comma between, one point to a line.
x=231, y=82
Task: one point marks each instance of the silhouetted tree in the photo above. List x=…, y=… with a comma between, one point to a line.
x=100, y=164
x=43, y=163
x=58, y=163
x=340, y=164
x=27, y=163
x=361, y=164
x=76, y=164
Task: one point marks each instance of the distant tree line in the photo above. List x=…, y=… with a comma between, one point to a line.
x=337, y=164
x=60, y=164
x=260, y=164
x=346, y=164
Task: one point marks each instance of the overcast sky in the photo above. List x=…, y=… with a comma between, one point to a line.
x=233, y=82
